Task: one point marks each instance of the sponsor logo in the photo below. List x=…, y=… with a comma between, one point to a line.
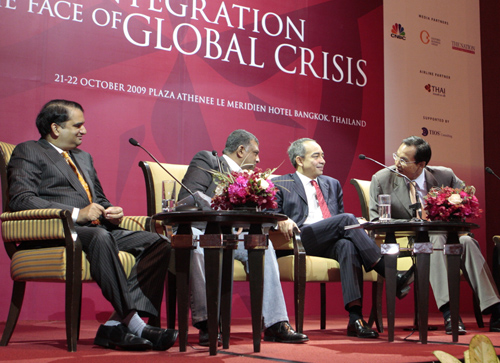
x=428, y=132
x=397, y=31
x=426, y=38
x=435, y=90
x=462, y=47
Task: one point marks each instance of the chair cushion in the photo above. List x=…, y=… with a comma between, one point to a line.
x=49, y=264
x=318, y=269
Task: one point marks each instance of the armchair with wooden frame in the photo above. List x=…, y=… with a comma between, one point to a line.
x=405, y=260
x=58, y=255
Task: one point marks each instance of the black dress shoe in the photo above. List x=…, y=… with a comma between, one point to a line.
x=361, y=329
x=118, y=336
x=204, y=340
x=461, y=326
x=404, y=279
x=282, y=332
x=162, y=339
x=495, y=325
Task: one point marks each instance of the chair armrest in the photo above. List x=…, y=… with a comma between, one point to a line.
x=43, y=225
x=34, y=225
x=136, y=223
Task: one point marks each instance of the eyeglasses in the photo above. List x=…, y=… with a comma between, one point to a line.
x=403, y=162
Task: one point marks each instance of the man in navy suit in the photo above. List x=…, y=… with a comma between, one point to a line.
x=314, y=204
x=53, y=173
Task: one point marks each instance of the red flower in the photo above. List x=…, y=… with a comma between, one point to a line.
x=445, y=203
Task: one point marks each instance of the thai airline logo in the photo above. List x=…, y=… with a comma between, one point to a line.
x=398, y=31
x=435, y=90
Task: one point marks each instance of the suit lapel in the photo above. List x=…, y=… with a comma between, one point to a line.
x=401, y=192
x=61, y=164
x=299, y=188
x=84, y=167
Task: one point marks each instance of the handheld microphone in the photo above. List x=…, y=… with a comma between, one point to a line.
x=414, y=207
x=196, y=205
x=489, y=170
x=214, y=153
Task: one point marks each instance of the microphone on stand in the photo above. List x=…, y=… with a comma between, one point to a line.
x=196, y=206
x=489, y=170
x=414, y=207
x=214, y=153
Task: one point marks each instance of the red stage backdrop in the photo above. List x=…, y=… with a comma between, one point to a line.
x=179, y=76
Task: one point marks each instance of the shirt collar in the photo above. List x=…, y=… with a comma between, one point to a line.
x=232, y=164
x=420, y=180
x=304, y=179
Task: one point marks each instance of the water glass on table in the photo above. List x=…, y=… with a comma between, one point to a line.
x=168, y=195
x=384, y=208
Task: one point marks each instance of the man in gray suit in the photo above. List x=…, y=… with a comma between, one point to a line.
x=314, y=205
x=53, y=173
x=411, y=159
x=241, y=152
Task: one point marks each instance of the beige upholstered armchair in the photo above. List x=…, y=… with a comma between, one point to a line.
x=58, y=255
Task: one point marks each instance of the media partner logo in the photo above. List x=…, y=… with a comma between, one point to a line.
x=398, y=31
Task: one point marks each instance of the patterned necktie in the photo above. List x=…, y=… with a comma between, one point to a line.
x=413, y=198
x=321, y=200
x=80, y=177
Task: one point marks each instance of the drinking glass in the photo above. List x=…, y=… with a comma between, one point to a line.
x=384, y=208
x=168, y=195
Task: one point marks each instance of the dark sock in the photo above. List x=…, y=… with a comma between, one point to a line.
x=379, y=267
x=445, y=309
x=355, y=313
x=202, y=325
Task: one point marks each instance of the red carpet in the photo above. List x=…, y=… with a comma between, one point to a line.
x=38, y=341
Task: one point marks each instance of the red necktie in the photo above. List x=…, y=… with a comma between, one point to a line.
x=321, y=200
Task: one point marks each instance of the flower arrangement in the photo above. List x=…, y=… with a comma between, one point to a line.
x=247, y=188
x=446, y=203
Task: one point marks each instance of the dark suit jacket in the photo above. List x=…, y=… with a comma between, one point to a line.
x=197, y=177
x=292, y=200
x=387, y=182
x=39, y=177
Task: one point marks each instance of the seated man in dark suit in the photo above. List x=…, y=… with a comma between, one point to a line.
x=241, y=152
x=412, y=159
x=53, y=173
x=313, y=203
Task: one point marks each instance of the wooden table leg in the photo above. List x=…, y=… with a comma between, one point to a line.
x=182, y=243
x=453, y=251
x=212, y=243
x=256, y=243
x=422, y=249
x=390, y=251
x=230, y=244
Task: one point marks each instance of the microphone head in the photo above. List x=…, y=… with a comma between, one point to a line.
x=133, y=141
x=214, y=153
x=362, y=156
x=489, y=170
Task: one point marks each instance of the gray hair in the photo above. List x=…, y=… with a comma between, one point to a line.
x=297, y=148
x=237, y=138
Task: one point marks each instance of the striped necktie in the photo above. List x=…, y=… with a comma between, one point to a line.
x=321, y=200
x=78, y=174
